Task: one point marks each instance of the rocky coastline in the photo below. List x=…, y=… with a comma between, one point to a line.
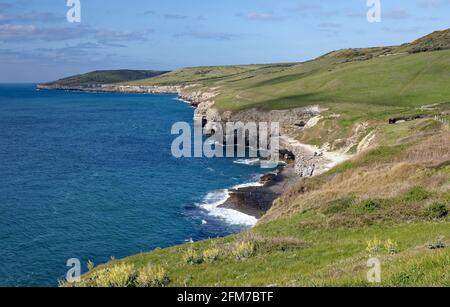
x=182, y=91
x=257, y=200
x=301, y=160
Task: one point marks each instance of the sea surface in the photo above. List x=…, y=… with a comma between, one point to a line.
x=91, y=176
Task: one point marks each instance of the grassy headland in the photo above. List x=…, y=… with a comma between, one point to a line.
x=101, y=77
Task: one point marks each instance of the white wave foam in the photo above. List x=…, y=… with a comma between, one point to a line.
x=182, y=100
x=247, y=185
x=248, y=161
x=212, y=202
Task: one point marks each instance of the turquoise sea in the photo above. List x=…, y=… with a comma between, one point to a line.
x=91, y=176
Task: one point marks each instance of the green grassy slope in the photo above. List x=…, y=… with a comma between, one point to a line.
x=406, y=80
x=378, y=77
x=367, y=85
x=328, y=258
x=106, y=77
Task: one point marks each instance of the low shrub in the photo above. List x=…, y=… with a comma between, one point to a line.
x=417, y=194
x=369, y=205
x=90, y=265
x=437, y=211
x=391, y=247
x=118, y=276
x=243, y=250
x=190, y=256
x=211, y=255
x=374, y=247
x=152, y=277
x=338, y=206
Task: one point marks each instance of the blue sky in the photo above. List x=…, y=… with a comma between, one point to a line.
x=37, y=43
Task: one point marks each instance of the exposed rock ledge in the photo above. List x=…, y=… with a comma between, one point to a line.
x=256, y=201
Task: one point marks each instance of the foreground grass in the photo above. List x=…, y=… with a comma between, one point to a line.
x=325, y=258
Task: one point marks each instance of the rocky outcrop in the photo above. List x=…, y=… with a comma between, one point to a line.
x=402, y=119
x=292, y=122
x=256, y=201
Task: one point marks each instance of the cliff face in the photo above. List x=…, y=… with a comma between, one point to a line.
x=309, y=161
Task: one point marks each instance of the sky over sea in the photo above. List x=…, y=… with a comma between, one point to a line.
x=38, y=44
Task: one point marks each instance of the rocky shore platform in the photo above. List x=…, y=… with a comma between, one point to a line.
x=257, y=200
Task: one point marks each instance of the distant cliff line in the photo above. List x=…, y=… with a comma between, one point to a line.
x=179, y=90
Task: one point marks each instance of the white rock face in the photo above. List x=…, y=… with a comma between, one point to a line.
x=313, y=121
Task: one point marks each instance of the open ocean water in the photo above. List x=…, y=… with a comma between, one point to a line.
x=91, y=176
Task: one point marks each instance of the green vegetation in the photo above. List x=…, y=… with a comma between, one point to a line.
x=243, y=250
x=395, y=82
x=341, y=80
x=390, y=201
x=352, y=86
x=192, y=257
x=106, y=77
x=330, y=257
x=211, y=255
x=126, y=275
x=437, y=211
x=386, y=203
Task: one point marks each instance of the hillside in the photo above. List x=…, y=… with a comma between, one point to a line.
x=378, y=77
x=354, y=87
x=394, y=81
x=439, y=40
x=96, y=78
x=390, y=108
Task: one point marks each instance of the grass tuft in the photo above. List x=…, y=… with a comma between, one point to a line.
x=152, y=277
